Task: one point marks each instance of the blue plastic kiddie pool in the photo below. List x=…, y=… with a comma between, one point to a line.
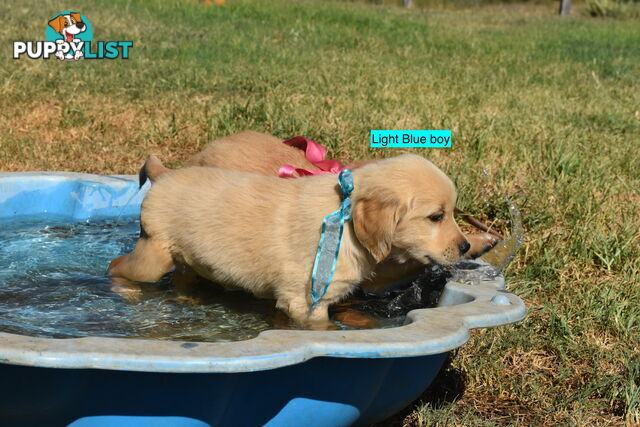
x=279, y=378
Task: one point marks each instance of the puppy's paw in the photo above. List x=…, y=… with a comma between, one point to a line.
x=481, y=243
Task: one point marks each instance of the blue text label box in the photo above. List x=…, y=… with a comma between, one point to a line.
x=410, y=138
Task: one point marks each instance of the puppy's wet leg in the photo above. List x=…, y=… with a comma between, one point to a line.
x=318, y=318
x=148, y=262
x=185, y=280
x=337, y=291
x=297, y=309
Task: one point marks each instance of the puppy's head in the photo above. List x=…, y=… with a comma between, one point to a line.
x=403, y=207
x=68, y=25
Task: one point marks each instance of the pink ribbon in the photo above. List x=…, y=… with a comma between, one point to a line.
x=315, y=154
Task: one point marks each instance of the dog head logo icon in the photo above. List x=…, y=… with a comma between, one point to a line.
x=69, y=30
x=70, y=38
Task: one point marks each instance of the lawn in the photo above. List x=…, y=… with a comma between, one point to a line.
x=549, y=107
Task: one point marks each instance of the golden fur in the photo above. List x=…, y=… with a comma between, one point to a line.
x=247, y=151
x=251, y=152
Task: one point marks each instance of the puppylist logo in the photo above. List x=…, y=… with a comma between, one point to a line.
x=69, y=37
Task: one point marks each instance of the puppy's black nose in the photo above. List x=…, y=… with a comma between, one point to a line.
x=80, y=25
x=464, y=247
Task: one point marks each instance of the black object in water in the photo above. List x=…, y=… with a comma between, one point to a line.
x=423, y=291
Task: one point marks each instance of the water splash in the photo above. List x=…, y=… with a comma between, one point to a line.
x=504, y=252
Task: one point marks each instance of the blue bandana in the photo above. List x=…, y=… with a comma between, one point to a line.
x=330, y=238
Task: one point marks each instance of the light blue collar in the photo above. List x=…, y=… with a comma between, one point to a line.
x=330, y=238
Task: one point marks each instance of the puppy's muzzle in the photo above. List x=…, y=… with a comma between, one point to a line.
x=80, y=25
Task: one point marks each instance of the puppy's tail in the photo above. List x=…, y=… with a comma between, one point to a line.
x=151, y=170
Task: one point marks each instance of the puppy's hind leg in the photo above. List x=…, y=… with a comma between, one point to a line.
x=148, y=262
x=185, y=282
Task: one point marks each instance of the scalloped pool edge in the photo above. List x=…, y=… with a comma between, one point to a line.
x=82, y=197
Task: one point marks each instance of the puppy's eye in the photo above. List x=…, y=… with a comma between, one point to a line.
x=436, y=217
x=66, y=24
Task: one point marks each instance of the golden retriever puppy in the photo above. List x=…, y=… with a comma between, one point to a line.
x=260, y=233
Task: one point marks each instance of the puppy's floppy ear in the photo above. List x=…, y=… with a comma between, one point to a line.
x=76, y=16
x=57, y=23
x=375, y=219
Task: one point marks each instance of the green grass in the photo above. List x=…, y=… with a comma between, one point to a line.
x=549, y=107
x=621, y=9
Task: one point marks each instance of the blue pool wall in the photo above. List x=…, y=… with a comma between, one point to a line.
x=323, y=391
x=45, y=194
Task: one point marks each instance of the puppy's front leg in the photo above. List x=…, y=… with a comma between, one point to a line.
x=319, y=318
x=297, y=309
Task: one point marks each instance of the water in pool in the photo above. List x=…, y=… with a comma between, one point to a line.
x=53, y=284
